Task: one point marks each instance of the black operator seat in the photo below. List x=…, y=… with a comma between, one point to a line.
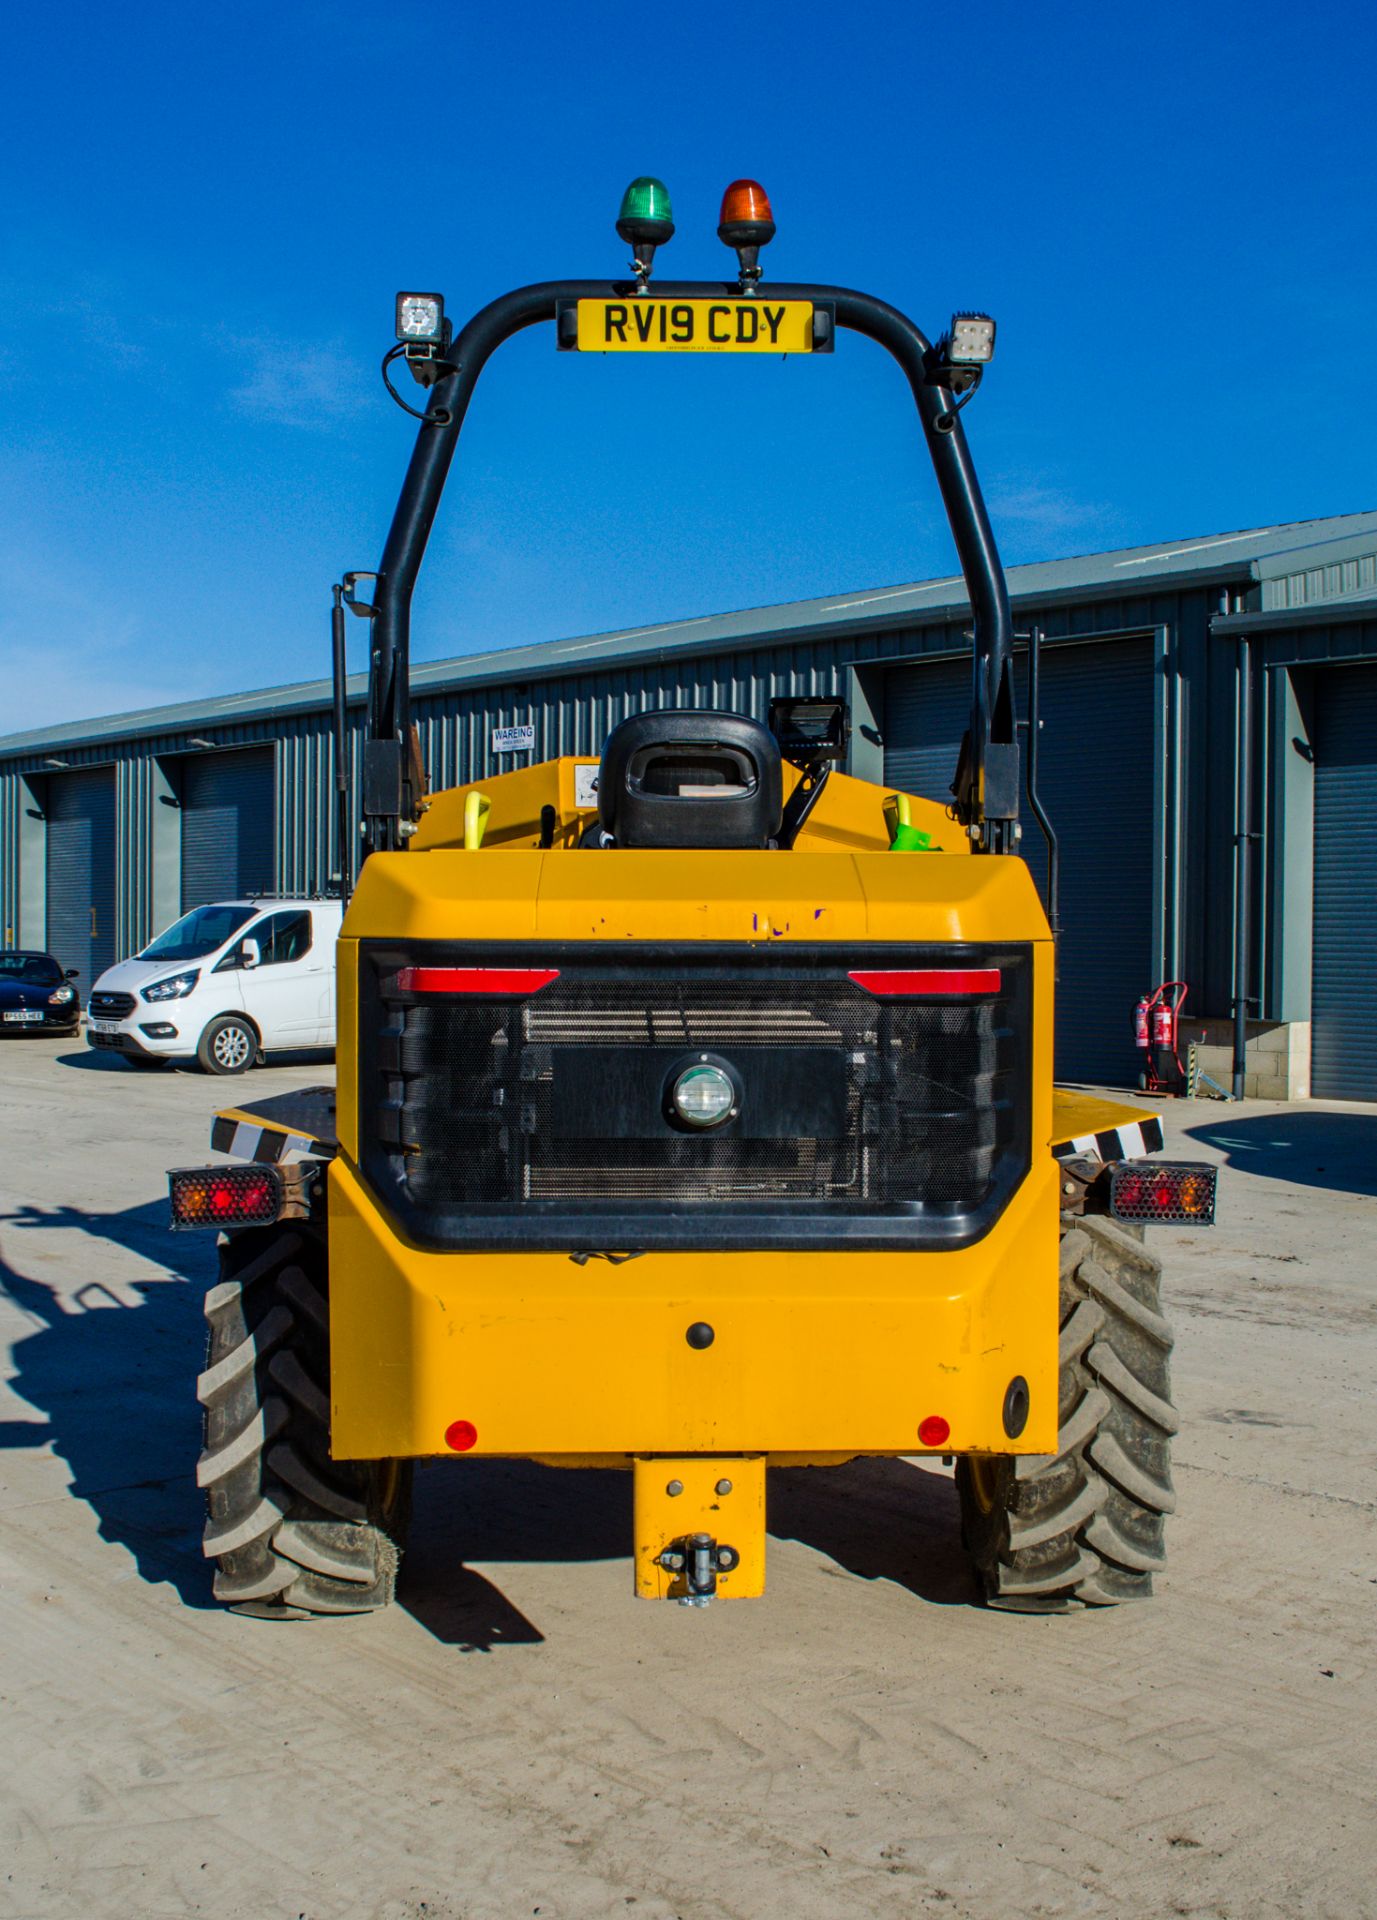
x=687, y=778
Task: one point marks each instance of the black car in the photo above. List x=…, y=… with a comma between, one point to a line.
x=36, y=996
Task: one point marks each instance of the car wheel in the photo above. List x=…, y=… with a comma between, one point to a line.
x=228, y=1045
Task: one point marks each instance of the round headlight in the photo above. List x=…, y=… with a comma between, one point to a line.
x=703, y=1096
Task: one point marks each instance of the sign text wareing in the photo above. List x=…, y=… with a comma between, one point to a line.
x=695, y=326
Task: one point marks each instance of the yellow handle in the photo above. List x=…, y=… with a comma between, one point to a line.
x=903, y=809
x=477, y=807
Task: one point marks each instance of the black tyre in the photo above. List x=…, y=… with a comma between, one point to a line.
x=228, y=1045
x=1084, y=1526
x=293, y=1533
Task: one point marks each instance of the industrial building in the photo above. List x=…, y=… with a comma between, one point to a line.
x=1208, y=755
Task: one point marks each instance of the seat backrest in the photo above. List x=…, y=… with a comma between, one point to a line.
x=685, y=778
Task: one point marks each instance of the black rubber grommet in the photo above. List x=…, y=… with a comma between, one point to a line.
x=700, y=1335
x=1016, y=1406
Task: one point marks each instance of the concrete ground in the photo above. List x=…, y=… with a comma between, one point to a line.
x=520, y=1738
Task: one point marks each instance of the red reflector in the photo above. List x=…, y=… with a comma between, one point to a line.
x=461, y=1436
x=933, y=981
x=224, y=1197
x=934, y=1431
x=501, y=981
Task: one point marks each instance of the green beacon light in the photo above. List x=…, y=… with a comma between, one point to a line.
x=646, y=221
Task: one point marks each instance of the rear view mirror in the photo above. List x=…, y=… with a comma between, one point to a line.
x=249, y=954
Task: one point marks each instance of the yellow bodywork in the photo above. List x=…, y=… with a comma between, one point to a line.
x=840, y=1353
x=814, y=1356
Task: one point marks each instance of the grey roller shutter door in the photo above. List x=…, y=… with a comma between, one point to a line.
x=1344, y=989
x=81, y=872
x=1095, y=776
x=227, y=826
x=927, y=710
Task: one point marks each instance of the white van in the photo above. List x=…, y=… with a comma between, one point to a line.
x=226, y=983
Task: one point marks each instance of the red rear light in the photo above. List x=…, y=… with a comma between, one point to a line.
x=225, y=1196
x=498, y=981
x=934, y=1431
x=930, y=981
x=1180, y=1194
x=1131, y=1193
x=461, y=1435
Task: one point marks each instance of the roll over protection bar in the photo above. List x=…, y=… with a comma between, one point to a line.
x=987, y=777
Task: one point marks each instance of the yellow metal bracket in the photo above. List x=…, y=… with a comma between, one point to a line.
x=477, y=807
x=700, y=1527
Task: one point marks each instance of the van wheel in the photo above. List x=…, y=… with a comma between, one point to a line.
x=228, y=1045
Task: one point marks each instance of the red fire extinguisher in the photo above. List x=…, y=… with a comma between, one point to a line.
x=1156, y=1031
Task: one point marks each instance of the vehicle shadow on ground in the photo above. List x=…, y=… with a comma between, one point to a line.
x=112, y=1364
x=874, y=1519
x=89, y=1061
x=502, y=1510
x=106, y=1060
x=1335, y=1151
x=878, y=1520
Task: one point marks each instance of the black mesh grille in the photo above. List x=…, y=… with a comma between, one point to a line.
x=849, y=1103
x=112, y=1006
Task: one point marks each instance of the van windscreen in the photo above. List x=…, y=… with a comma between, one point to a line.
x=198, y=933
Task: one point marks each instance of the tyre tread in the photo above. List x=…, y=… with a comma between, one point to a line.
x=1084, y=1526
x=293, y=1532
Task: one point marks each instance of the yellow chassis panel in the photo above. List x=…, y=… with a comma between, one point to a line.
x=843, y=1352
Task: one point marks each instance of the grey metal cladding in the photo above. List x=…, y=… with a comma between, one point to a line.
x=1341, y=570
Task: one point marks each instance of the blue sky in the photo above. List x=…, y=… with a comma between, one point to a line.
x=207, y=213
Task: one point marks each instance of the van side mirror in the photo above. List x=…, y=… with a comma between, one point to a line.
x=249, y=953
x=72, y=973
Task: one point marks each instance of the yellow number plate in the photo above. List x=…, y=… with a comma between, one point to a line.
x=758, y=325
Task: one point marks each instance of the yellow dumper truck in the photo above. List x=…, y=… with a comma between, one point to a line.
x=694, y=1109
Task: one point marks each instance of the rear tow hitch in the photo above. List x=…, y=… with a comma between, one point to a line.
x=698, y=1559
